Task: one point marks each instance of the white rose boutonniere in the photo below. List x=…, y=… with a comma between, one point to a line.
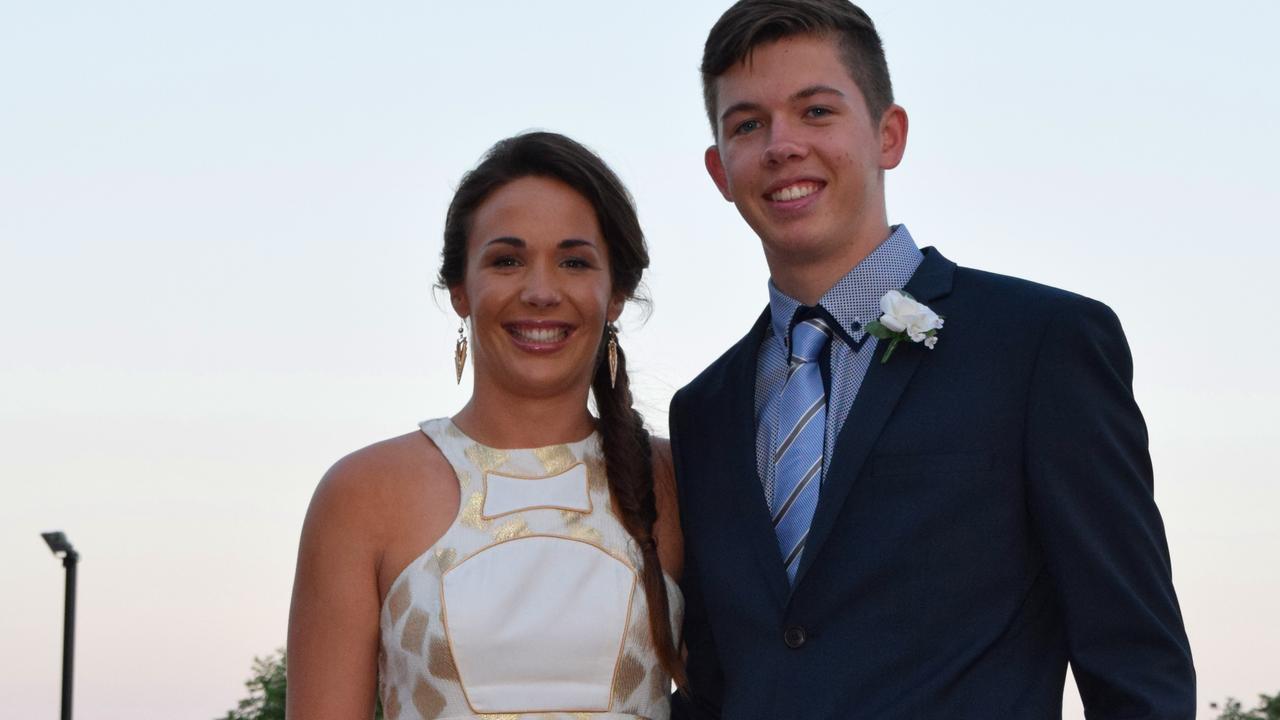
x=904, y=319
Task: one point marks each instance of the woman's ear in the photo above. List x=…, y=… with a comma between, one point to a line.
x=616, y=304
x=458, y=299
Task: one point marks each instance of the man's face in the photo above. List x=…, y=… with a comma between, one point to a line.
x=799, y=155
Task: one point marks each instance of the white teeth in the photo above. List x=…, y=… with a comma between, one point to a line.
x=794, y=192
x=541, y=335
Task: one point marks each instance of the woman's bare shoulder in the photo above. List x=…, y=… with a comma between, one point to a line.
x=386, y=461
x=365, y=484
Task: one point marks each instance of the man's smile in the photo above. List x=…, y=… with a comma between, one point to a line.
x=794, y=191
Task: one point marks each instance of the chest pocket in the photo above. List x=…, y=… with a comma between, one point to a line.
x=933, y=464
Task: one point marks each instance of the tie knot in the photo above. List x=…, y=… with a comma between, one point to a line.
x=808, y=338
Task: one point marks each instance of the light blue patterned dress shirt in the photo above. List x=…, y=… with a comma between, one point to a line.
x=853, y=301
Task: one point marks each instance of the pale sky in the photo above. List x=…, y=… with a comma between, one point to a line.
x=219, y=225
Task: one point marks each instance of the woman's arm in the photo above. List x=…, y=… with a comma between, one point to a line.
x=667, y=527
x=333, y=620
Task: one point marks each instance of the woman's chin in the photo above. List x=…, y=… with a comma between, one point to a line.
x=542, y=378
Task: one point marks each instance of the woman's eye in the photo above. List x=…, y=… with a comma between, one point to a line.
x=576, y=263
x=505, y=261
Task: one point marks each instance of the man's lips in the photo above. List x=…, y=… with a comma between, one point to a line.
x=793, y=190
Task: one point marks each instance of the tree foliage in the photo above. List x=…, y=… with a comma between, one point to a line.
x=1268, y=709
x=267, y=691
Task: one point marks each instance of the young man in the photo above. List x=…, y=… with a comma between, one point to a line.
x=931, y=532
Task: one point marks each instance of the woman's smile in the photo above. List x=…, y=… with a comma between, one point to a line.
x=539, y=336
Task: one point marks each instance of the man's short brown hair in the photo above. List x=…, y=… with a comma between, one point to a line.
x=751, y=23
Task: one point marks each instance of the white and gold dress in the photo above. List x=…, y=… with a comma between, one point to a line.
x=530, y=605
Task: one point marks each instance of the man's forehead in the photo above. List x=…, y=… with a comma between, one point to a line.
x=809, y=60
x=805, y=43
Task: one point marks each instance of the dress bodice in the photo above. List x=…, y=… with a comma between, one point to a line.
x=530, y=604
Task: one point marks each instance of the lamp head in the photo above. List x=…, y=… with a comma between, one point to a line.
x=57, y=542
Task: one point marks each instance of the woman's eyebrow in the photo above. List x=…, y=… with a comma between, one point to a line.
x=506, y=240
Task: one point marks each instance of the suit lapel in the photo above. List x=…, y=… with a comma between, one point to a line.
x=877, y=397
x=742, y=479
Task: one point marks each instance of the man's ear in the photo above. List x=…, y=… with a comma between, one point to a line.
x=715, y=168
x=458, y=299
x=893, y=137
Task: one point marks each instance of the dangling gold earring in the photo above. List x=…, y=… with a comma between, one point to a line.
x=460, y=350
x=613, y=355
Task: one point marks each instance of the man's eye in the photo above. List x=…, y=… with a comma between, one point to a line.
x=746, y=126
x=818, y=112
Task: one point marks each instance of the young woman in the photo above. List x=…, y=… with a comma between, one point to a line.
x=508, y=560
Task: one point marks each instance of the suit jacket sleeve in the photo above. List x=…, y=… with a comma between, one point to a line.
x=1090, y=494
x=700, y=701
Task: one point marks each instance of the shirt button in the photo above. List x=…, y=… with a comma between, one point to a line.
x=794, y=637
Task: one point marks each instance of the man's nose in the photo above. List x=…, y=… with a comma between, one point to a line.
x=785, y=143
x=540, y=288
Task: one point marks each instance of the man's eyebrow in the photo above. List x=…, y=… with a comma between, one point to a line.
x=802, y=94
x=737, y=108
x=816, y=90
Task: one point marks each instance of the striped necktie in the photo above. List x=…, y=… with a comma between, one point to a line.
x=798, y=442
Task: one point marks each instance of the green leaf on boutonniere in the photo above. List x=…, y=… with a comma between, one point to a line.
x=875, y=329
x=889, y=350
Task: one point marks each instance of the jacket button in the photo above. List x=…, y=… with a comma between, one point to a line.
x=794, y=637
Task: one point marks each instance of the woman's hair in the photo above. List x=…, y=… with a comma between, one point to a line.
x=625, y=441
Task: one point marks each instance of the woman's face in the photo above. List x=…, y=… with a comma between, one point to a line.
x=537, y=288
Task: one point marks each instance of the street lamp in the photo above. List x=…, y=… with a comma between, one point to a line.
x=57, y=542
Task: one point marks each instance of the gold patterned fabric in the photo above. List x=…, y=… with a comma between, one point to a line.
x=430, y=669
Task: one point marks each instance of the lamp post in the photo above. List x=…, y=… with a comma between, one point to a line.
x=57, y=542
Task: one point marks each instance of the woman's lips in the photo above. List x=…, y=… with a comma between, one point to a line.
x=539, y=337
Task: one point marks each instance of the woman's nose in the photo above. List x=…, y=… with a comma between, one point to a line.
x=540, y=289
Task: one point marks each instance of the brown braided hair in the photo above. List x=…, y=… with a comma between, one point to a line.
x=624, y=439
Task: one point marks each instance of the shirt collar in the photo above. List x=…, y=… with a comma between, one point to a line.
x=854, y=300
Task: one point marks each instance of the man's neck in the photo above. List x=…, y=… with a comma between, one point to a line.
x=808, y=279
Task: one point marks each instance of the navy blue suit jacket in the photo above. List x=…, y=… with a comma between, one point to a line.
x=987, y=517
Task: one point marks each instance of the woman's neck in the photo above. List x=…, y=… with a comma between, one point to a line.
x=501, y=420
